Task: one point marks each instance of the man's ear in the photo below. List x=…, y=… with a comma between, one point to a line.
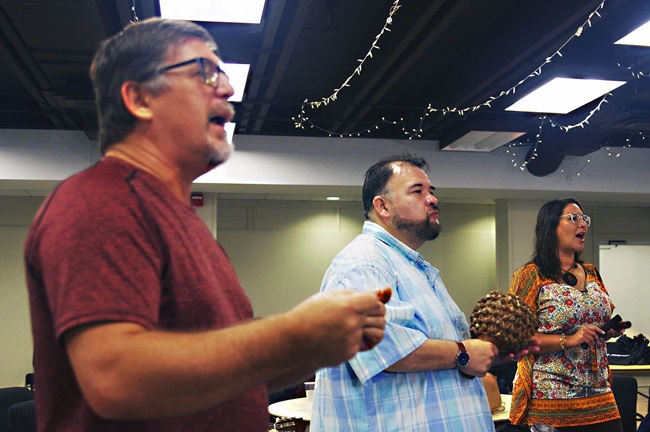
x=381, y=206
x=135, y=99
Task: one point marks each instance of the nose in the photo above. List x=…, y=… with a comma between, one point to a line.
x=225, y=90
x=431, y=200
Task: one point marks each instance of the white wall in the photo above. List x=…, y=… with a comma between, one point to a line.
x=30, y=157
x=623, y=269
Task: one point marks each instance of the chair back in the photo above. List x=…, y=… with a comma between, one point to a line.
x=22, y=416
x=625, y=392
x=10, y=396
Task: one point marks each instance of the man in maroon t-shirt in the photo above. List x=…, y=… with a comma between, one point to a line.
x=139, y=321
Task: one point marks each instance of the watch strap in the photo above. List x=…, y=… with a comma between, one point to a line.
x=461, y=348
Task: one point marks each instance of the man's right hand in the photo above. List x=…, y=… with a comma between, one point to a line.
x=481, y=356
x=337, y=325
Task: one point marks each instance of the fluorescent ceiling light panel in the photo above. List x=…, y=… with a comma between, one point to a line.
x=237, y=74
x=563, y=95
x=482, y=141
x=230, y=130
x=639, y=37
x=229, y=11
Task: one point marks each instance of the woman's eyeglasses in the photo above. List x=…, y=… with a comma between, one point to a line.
x=575, y=218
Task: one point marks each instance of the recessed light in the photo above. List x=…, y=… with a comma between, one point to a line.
x=563, y=95
x=638, y=37
x=482, y=141
x=333, y=198
x=240, y=11
x=237, y=75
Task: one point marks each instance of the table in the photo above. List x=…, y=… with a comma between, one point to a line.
x=298, y=408
x=630, y=369
x=503, y=414
x=291, y=408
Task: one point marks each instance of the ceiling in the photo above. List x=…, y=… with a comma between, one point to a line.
x=434, y=53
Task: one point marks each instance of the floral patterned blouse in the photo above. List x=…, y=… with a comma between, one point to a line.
x=569, y=387
x=578, y=371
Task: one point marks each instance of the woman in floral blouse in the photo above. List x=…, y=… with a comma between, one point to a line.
x=568, y=383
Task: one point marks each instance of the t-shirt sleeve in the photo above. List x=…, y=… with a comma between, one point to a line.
x=102, y=262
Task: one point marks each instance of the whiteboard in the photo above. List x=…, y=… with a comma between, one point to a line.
x=624, y=269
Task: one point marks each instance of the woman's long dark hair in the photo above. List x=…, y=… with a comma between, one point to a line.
x=545, y=254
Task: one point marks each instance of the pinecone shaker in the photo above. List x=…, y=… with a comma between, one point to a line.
x=504, y=320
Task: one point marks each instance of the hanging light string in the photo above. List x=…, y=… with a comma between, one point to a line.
x=607, y=150
x=635, y=73
x=302, y=118
x=538, y=141
x=135, y=15
x=585, y=121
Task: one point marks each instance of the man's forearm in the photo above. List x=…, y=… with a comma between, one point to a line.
x=151, y=374
x=433, y=354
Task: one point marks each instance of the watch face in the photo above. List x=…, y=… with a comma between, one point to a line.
x=462, y=359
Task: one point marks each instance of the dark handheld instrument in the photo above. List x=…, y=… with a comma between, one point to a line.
x=615, y=323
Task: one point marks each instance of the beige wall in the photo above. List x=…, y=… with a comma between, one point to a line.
x=16, y=214
x=281, y=250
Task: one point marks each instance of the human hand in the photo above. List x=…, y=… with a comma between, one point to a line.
x=482, y=355
x=587, y=336
x=373, y=335
x=616, y=330
x=336, y=325
x=532, y=347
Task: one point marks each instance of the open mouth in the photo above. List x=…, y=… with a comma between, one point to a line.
x=581, y=236
x=218, y=120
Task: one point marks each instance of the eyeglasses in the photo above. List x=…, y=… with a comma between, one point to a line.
x=210, y=71
x=575, y=218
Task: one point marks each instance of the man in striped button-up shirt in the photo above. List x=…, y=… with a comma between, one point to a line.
x=419, y=378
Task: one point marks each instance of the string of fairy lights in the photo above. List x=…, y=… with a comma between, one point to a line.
x=635, y=73
x=135, y=14
x=302, y=120
x=607, y=150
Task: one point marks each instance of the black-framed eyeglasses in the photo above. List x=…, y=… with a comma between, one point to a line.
x=210, y=71
x=575, y=218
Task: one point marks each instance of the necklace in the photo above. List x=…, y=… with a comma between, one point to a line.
x=569, y=278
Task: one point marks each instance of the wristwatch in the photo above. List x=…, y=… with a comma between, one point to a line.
x=462, y=360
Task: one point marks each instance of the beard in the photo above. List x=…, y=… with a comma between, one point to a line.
x=424, y=230
x=220, y=155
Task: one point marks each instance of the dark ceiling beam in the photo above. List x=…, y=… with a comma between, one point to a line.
x=16, y=55
x=109, y=12
x=392, y=70
x=288, y=46
x=271, y=27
